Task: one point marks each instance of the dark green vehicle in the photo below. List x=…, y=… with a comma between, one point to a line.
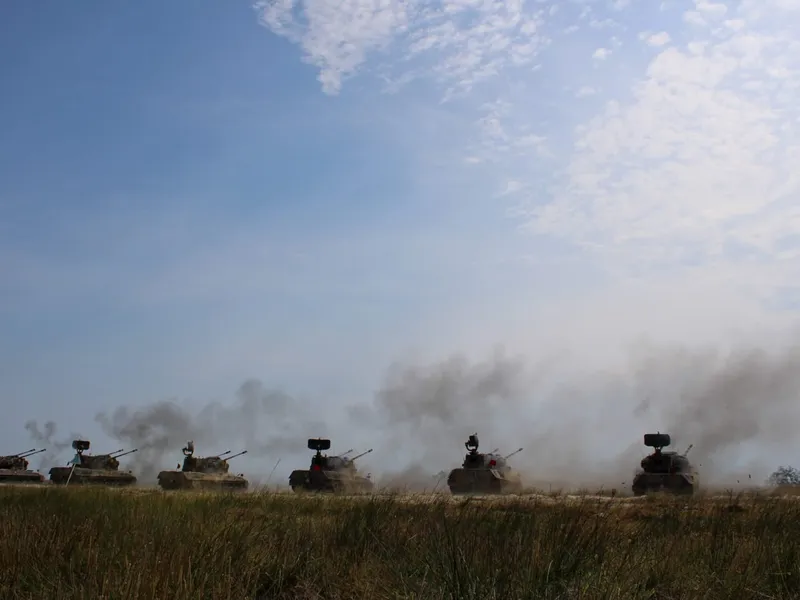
x=484, y=472
x=334, y=474
x=203, y=473
x=14, y=468
x=669, y=472
x=98, y=469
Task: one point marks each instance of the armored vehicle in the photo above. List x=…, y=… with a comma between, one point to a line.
x=14, y=468
x=670, y=472
x=99, y=469
x=203, y=473
x=330, y=473
x=484, y=473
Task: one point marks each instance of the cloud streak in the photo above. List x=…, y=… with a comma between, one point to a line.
x=685, y=159
x=470, y=40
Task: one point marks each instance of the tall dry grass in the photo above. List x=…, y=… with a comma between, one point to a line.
x=96, y=543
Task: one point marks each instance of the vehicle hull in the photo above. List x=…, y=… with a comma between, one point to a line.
x=20, y=476
x=80, y=476
x=671, y=483
x=303, y=481
x=483, y=481
x=187, y=480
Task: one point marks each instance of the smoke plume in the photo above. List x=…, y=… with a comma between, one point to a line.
x=264, y=422
x=584, y=428
x=577, y=427
x=46, y=438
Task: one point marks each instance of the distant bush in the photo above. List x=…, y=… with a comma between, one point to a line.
x=784, y=476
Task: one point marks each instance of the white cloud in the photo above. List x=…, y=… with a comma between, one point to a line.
x=338, y=36
x=601, y=53
x=511, y=187
x=713, y=10
x=694, y=17
x=700, y=160
x=693, y=163
x=688, y=162
x=658, y=39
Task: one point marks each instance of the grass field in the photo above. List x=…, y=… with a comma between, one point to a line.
x=97, y=543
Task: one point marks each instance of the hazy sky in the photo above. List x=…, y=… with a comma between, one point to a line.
x=195, y=194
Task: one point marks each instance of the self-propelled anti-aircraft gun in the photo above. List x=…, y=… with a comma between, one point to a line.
x=203, y=472
x=670, y=472
x=98, y=469
x=484, y=473
x=14, y=468
x=330, y=473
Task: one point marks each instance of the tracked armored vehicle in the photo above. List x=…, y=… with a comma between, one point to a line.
x=330, y=473
x=14, y=468
x=100, y=469
x=669, y=472
x=484, y=473
x=203, y=473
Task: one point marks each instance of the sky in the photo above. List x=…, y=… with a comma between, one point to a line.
x=397, y=223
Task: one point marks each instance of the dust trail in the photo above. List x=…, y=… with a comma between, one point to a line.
x=722, y=401
x=425, y=413
x=585, y=428
x=577, y=427
x=265, y=422
x=46, y=438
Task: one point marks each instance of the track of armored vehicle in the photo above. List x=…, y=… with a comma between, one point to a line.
x=484, y=473
x=668, y=472
x=100, y=469
x=203, y=473
x=14, y=468
x=331, y=474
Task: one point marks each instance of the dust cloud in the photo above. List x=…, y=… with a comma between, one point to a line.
x=46, y=438
x=581, y=428
x=263, y=421
x=577, y=427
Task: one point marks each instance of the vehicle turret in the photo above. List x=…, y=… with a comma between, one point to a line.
x=203, y=472
x=97, y=462
x=206, y=464
x=667, y=471
x=336, y=473
x=18, y=462
x=484, y=472
x=100, y=469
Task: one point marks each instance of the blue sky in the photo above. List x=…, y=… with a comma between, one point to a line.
x=195, y=194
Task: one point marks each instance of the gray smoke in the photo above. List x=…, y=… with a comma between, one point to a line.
x=46, y=438
x=577, y=427
x=425, y=413
x=262, y=421
x=720, y=402
x=586, y=428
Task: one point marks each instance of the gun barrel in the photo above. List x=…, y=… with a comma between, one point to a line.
x=223, y=454
x=235, y=455
x=495, y=451
x=29, y=453
x=343, y=454
x=126, y=453
x=116, y=451
x=24, y=454
x=360, y=455
x=513, y=453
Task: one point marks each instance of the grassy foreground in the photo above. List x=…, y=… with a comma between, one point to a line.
x=84, y=543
